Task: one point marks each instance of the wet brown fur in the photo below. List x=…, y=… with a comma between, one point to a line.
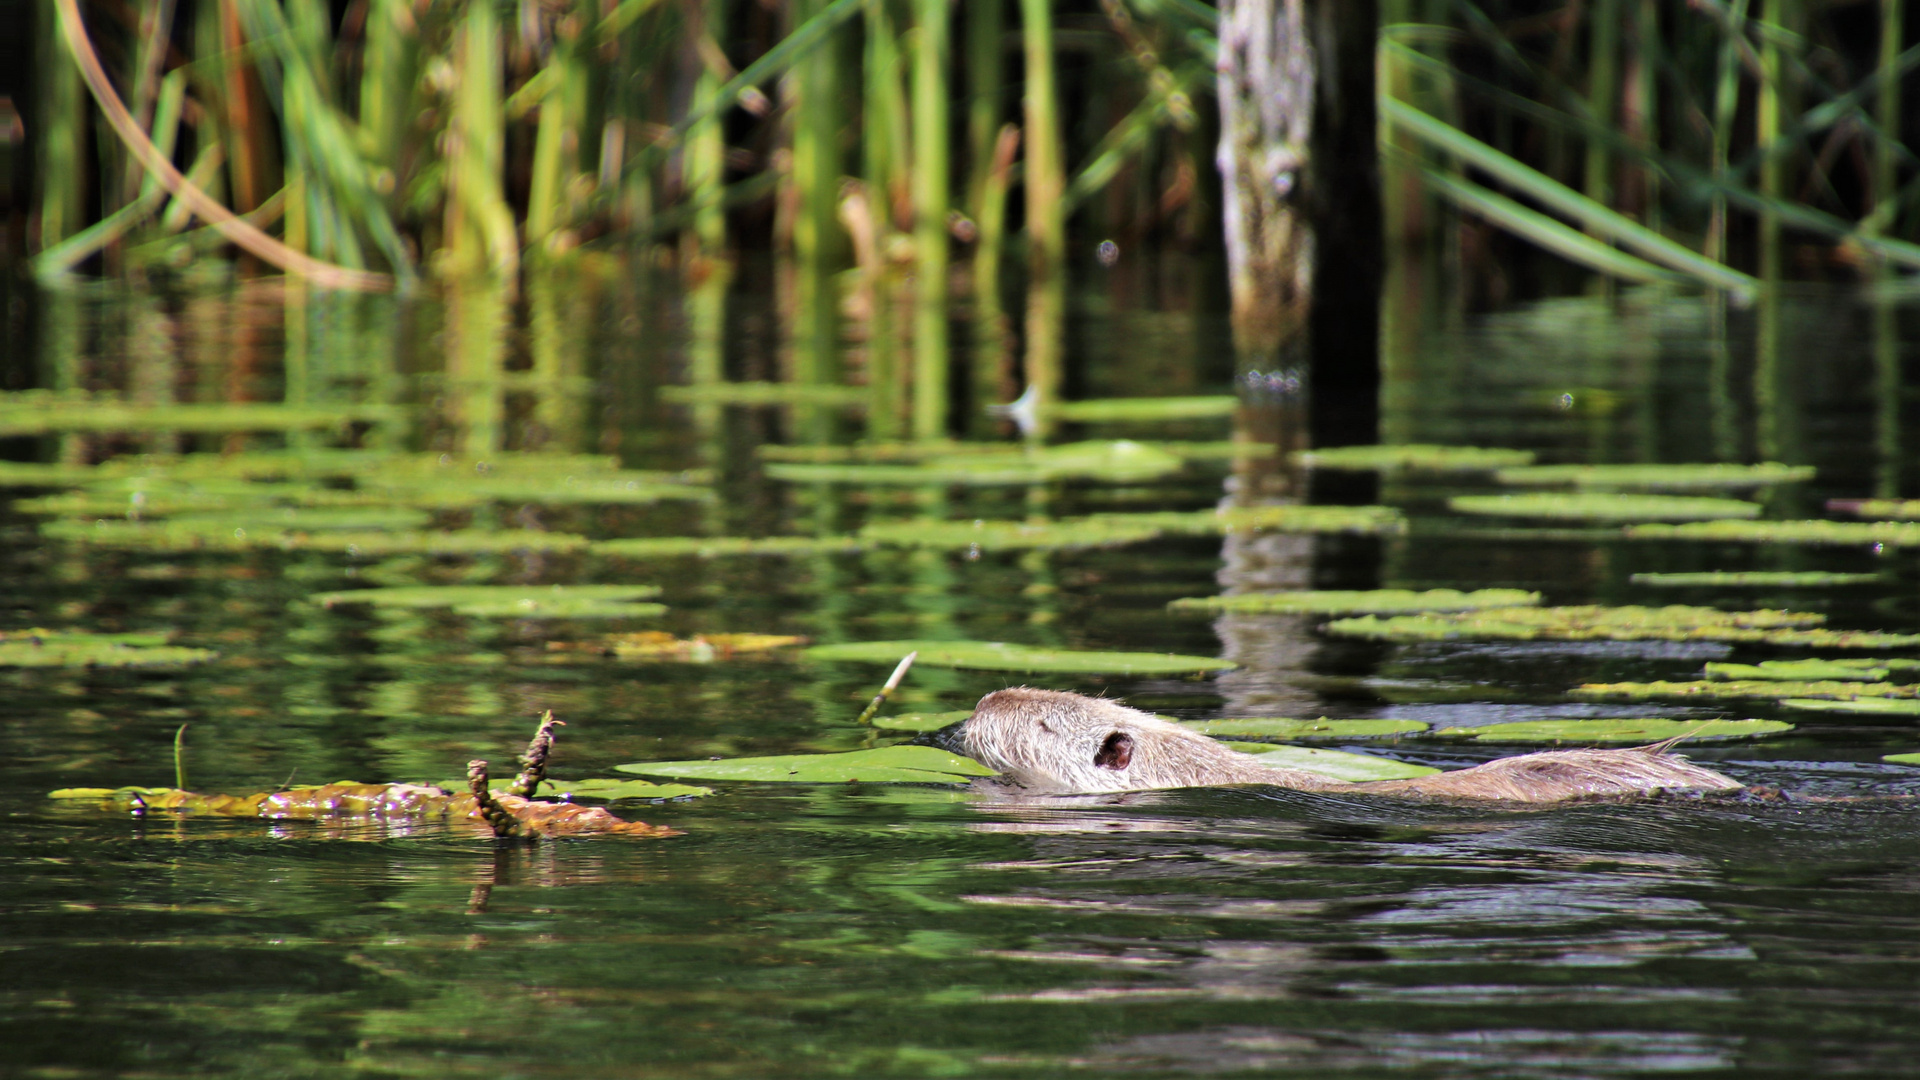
x=1051, y=741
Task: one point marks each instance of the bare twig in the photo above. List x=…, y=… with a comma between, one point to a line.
x=879, y=699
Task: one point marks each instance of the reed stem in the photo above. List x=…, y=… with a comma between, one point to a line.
x=985, y=23
x=1045, y=178
x=931, y=202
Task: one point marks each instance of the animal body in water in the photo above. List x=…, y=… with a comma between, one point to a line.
x=1051, y=741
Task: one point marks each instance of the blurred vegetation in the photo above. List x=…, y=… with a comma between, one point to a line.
x=369, y=143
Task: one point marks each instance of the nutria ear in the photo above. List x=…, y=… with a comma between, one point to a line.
x=1116, y=753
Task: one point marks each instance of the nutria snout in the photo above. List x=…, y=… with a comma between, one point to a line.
x=1052, y=741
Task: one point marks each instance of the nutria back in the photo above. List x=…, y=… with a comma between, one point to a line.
x=1052, y=741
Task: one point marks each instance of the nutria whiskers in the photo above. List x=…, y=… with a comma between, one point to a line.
x=1051, y=741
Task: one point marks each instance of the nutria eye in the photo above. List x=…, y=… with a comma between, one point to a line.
x=1116, y=753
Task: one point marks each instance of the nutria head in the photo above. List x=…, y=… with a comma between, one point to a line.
x=1048, y=740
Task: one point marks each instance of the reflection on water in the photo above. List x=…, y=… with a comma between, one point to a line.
x=863, y=930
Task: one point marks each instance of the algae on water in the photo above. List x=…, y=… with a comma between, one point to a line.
x=1604, y=507
x=1340, y=602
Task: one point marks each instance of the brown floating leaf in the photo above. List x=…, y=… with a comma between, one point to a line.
x=660, y=645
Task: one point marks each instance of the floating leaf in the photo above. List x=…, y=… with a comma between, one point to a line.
x=714, y=547
x=612, y=789
x=394, y=803
x=884, y=765
x=588, y=489
x=1902, y=759
x=1005, y=535
x=173, y=536
x=767, y=393
x=1656, y=477
x=1636, y=730
x=1734, y=689
x=1371, y=520
x=1121, y=460
x=1859, y=670
x=41, y=412
x=1872, y=706
x=1886, y=509
x=1144, y=409
x=1604, y=507
x=510, y=601
x=1889, y=533
x=921, y=721
x=35, y=474
x=1596, y=623
x=999, y=656
x=1323, y=728
x=1329, y=602
x=659, y=645
x=77, y=648
x=1786, y=579
x=1338, y=764
x=1420, y=457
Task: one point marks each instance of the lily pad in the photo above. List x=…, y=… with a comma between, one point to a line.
x=510, y=601
x=1604, y=507
x=1144, y=409
x=1596, y=623
x=767, y=393
x=1784, y=579
x=1005, y=535
x=1330, y=602
x=1737, y=689
x=661, y=646
x=1870, y=706
x=1413, y=457
x=884, y=765
x=921, y=721
x=77, y=648
x=714, y=547
x=1701, y=477
x=173, y=536
x=1323, y=728
x=1115, y=461
x=1901, y=759
x=1635, y=730
x=613, y=789
x=40, y=412
x=1000, y=656
x=1885, y=509
x=1888, y=533
x=1858, y=670
x=1369, y=520
x=1338, y=764
x=588, y=489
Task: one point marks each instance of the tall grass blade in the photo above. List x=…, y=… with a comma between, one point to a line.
x=1543, y=230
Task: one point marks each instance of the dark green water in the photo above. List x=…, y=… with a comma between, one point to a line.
x=925, y=931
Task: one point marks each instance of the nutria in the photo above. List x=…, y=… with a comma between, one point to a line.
x=1050, y=741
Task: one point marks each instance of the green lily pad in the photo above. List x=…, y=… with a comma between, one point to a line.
x=1636, y=730
x=999, y=656
x=1413, y=457
x=1368, y=520
x=1870, y=706
x=77, y=648
x=1785, y=579
x=1656, y=477
x=767, y=393
x=173, y=536
x=613, y=788
x=1323, y=728
x=1737, y=689
x=1331, y=602
x=1902, y=759
x=1005, y=535
x=1856, y=670
x=1630, y=623
x=1338, y=764
x=714, y=547
x=1142, y=410
x=1604, y=507
x=1120, y=460
x=40, y=412
x=1888, y=533
x=519, y=601
x=884, y=765
x=1885, y=509
x=921, y=721
x=589, y=489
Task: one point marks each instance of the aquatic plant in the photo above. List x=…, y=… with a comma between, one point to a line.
x=1115, y=461
x=1741, y=689
x=1604, y=507
x=1323, y=728
x=1413, y=457
x=1143, y=410
x=938, y=449
x=921, y=722
x=715, y=547
x=1886, y=533
x=881, y=765
x=987, y=536
x=1377, y=601
x=658, y=645
x=1785, y=579
x=768, y=394
x=1865, y=706
x=509, y=601
x=1639, y=730
x=1597, y=623
x=1338, y=764
x=42, y=412
x=1001, y=656
x=1656, y=477
x=1884, y=509
x=1845, y=669
x=81, y=648
x=177, y=535
x=1286, y=518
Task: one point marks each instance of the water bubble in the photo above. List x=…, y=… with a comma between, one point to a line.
x=1566, y=401
x=1108, y=253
